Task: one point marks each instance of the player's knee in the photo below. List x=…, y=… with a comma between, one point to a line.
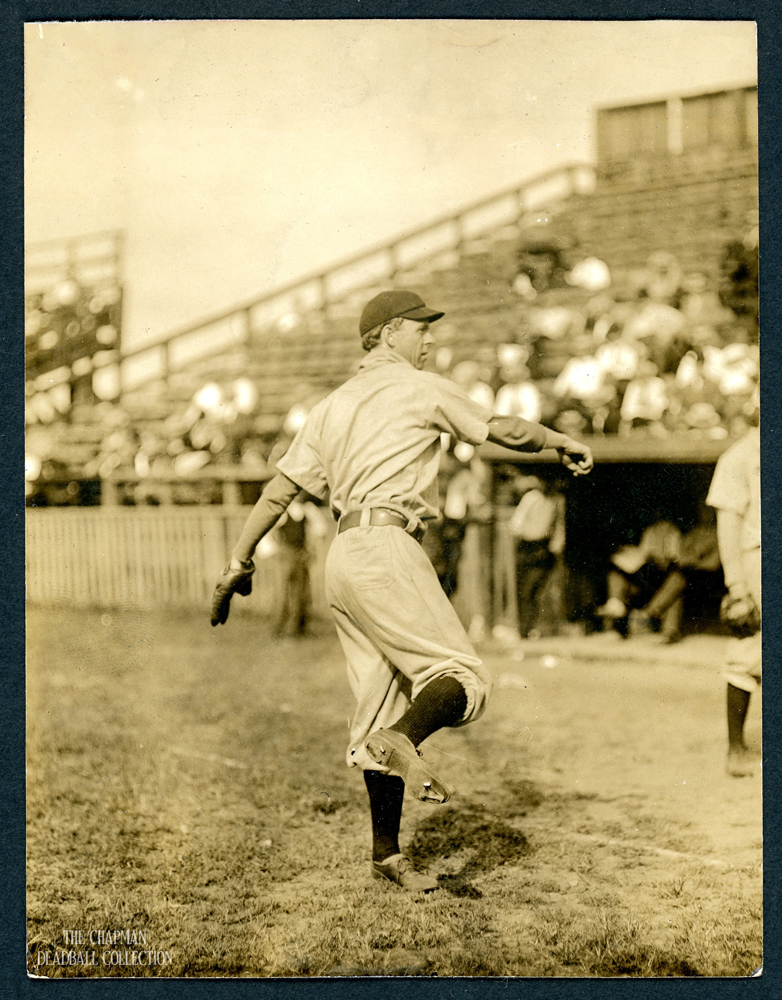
x=743, y=681
x=477, y=685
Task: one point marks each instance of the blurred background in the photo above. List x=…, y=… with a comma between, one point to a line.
x=210, y=204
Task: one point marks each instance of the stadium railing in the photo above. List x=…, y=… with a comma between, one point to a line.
x=324, y=289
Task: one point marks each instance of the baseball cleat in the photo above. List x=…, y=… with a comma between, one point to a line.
x=399, y=868
x=397, y=753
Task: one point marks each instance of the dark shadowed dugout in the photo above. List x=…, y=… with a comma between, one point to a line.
x=630, y=488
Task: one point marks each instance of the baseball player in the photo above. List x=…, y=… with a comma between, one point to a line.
x=372, y=449
x=735, y=493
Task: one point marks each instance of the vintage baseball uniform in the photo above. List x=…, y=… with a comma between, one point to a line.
x=375, y=442
x=736, y=487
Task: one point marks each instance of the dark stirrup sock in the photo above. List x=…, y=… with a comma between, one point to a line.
x=738, y=703
x=442, y=702
x=386, y=792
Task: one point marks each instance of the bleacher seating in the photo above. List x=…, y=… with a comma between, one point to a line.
x=302, y=342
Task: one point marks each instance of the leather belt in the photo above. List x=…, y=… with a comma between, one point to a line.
x=378, y=516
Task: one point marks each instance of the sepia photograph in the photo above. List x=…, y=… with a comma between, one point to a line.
x=392, y=499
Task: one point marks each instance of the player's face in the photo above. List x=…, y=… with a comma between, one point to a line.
x=413, y=340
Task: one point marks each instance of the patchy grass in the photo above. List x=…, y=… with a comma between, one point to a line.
x=189, y=784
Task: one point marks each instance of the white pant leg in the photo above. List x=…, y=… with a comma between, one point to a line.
x=751, y=564
x=382, y=693
x=744, y=663
x=391, y=611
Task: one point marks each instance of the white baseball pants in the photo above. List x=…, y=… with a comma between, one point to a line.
x=397, y=628
x=743, y=668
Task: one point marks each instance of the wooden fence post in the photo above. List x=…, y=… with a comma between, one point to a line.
x=108, y=492
x=232, y=494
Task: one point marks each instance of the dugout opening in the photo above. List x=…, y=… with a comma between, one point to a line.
x=604, y=512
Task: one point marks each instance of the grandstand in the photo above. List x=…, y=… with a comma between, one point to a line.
x=676, y=176
x=650, y=254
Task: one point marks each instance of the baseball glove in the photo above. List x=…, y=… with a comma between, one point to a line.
x=740, y=614
x=230, y=582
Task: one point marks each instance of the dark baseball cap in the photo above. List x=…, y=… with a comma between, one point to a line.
x=388, y=305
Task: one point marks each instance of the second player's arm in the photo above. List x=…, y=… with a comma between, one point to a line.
x=729, y=525
x=523, y=435
x=278, y=493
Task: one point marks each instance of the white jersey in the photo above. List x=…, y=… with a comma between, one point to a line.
x=375, y=441
x=736, y=486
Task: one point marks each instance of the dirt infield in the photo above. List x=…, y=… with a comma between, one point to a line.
x=188, y=803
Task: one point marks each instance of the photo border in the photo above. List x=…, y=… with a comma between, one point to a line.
x=12, y=612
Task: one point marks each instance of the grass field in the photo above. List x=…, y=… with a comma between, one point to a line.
x=187, y=785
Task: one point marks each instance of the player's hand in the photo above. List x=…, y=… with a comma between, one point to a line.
x=740, y=612
x=576, y=457
x=236, y=578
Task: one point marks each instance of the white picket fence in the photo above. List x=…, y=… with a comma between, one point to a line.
x=168, y=557
x=154, y=557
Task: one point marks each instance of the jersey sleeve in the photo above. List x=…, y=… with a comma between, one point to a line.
x=301, y=462
x=729, y=488
x=453, y=412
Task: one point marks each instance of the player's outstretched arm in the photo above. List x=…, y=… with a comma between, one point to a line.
x=236, y=578
x=523, y=435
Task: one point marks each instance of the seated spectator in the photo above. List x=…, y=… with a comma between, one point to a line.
x=618, y=357
x=689, y=373
x=703, y=419
x=695, y=567
x=581, y=378
x=701, y=305
x=557, y=322
x=733, y=369
x=657, y=327
x=512, y=356
x=645, y=401
x=590, y=273
x=523, y=287
x=543, y=254
x=467, y=376
x=685, y=390
x=251, y=456
x=662, y=279
x=738, y=285
x=584, y=388
x=739, y=411
x=644, y=576
x=519, y=396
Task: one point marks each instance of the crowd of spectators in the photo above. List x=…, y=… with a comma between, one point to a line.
x=216, y=429
x=658, y=352
x=663, y=353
